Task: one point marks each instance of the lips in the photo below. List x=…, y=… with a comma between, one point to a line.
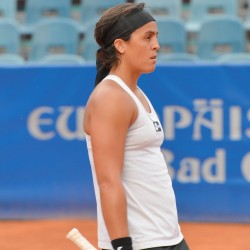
x=153, y=57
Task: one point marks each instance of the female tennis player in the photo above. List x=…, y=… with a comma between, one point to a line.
x=136, y=206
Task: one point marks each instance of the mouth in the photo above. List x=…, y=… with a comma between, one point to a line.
x=153, y=57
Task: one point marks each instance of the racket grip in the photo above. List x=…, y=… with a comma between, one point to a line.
x=75, y=236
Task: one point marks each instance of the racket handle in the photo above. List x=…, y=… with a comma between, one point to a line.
x=75, y=236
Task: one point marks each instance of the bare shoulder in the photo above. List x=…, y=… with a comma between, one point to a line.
x=109, y=94
x=110, y=100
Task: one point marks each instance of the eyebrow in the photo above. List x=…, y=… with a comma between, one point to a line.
x=151, y=32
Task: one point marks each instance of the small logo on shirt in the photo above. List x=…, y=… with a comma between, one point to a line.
x=157, y=126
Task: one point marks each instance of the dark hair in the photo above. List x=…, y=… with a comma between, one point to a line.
x=107, y=55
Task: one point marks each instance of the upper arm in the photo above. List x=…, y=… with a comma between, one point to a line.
x=111, y=113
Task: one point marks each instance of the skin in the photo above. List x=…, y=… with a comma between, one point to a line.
x=109, y=113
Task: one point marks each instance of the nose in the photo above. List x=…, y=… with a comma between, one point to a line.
x=156, y=44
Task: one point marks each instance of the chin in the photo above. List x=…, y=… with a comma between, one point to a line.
x=149, y=70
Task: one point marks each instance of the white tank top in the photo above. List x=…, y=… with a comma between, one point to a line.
x=151, y=205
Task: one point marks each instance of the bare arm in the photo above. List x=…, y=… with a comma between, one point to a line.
x=109, y=119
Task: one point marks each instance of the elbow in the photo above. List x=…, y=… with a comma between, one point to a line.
x=109, y=185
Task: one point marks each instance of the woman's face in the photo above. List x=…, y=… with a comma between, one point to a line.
x=141, y=49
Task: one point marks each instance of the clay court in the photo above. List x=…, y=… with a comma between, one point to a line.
x=50, y=235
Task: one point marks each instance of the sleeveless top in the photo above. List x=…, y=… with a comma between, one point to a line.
x=151, y=205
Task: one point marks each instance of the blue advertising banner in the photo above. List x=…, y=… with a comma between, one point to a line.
x=44, y=167
x=205, y=113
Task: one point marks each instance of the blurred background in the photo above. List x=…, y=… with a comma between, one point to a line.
x=200, y=89
x=188, y=29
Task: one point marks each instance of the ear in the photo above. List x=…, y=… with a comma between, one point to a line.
x=119, y=45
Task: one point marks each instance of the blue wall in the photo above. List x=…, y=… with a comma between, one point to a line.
x=205, y=112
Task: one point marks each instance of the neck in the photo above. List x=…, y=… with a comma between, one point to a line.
x=129, y=78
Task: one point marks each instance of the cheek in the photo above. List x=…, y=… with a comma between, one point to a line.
x=141, y=52
x=138, y=53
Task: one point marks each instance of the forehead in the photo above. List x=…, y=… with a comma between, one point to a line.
x=146, y=28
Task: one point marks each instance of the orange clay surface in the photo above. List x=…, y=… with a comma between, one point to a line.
x=50, y=235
